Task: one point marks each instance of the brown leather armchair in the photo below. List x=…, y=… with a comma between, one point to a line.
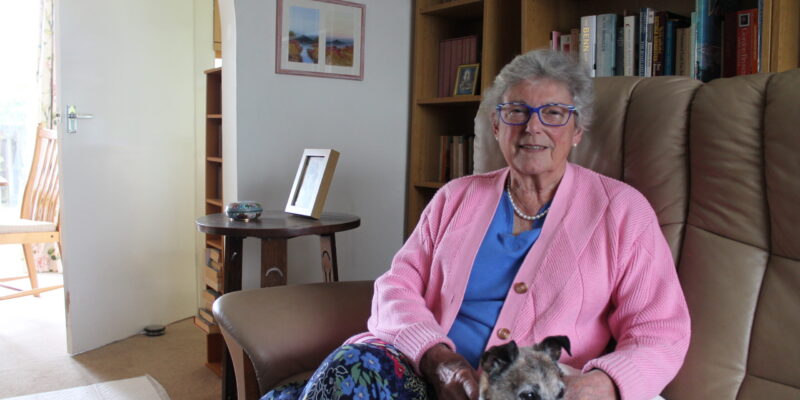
x=719, y=162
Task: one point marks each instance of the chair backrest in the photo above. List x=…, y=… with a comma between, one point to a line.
x=41, y=200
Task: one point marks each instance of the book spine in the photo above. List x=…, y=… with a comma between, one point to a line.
x=442, y=89
x=619, y=52
x=693, y=46
x=588, y=43
x=746, y=46
x=680, y=52
x=472, y=53
x=606, y=44
x=708, y=42
x=630, y=46
x=555, y=40
x=450, y=73
x=659, y=29
x=565, y=46
x=669, y=48
x=642, y=41
x=648, y=59
x=575, y=35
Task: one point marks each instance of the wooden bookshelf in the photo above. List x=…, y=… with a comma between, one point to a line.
x=213, y=204
x=510, y=27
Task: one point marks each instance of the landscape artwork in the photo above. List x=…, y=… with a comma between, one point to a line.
x=304, y=35
x=340, y=39
x=322, y=38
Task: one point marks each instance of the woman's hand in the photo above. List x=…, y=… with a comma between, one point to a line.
x=450, y=374
x=593, y=385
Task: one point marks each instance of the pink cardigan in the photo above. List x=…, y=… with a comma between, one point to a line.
x=600, y=268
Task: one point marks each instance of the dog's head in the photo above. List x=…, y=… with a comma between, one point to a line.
x=527, y=373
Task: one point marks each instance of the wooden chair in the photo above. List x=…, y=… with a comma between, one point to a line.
x=38, y=222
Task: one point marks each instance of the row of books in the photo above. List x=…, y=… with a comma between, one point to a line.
x=654, y=42
x=455, y=157
x=452, y=53
x=212, y=276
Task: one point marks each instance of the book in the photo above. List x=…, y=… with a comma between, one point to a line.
x=588, y=43
x=669, y=47
x=605, y=53
x=452, y=53
x=565, y=45
x=707, y=53
x=206, y=326
x=575, y=39
x=208, y=297
x=214, y=254
x=206, y=315
x=693, y=45
x=555, y=40
x=682, y=51
x=659, y=29
x=747, y=41
x=618, y=52
x=674, y=21
x=212, y=278
x=630, y=46
x=442, y=89
x=646, y=16
x=444, y=158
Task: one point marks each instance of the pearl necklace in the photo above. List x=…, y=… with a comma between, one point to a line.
x=517, y=209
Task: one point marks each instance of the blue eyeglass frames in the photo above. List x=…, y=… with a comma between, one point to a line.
x=517, y=113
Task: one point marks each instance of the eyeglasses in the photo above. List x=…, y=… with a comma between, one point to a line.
x=549, y=114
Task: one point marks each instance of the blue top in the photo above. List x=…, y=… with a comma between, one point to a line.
x=498, y=259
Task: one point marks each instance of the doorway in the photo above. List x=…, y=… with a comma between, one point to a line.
x=26, y=99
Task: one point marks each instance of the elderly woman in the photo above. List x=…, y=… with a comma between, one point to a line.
x=539, y=248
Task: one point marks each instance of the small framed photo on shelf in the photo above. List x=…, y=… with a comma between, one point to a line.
x=320, y=38
x=312, y=181
x=466, y=79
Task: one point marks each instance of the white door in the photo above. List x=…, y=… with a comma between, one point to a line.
x=128, y=173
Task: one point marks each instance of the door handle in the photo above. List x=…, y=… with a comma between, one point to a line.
x=73, y=117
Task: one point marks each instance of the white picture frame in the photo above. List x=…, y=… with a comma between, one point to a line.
x=312, y=181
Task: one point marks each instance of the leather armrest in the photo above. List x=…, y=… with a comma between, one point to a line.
x=288, y=330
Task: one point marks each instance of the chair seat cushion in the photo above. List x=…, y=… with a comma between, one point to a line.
x=25, y=225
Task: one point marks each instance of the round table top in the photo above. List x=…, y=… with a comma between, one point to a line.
x=277, y=224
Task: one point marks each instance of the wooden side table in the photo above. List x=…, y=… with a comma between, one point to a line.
x=274, y=228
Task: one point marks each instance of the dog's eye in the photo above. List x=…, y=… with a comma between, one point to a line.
x=529, y=396
x=560, y=393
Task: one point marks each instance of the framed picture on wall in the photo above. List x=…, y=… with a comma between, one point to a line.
x=312, y=181
x=320, y=38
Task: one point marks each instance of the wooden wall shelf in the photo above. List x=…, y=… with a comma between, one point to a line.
x=214, y=249
x=506, y=28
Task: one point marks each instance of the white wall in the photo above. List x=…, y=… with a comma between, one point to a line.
x=277, y=116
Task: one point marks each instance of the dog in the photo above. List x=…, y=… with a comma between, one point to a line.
x=527, y=373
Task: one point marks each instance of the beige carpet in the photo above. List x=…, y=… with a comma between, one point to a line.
x=139, y=388
x=33, y=355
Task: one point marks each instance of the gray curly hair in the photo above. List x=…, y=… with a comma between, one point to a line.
x=545, y=64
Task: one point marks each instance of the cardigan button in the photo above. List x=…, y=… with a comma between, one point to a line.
x=520, y=287
x=503, y=333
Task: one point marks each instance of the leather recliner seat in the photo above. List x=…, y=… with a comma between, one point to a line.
x=720, y=164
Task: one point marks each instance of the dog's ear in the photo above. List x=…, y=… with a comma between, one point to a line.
x=552, y=345
x=498, y=358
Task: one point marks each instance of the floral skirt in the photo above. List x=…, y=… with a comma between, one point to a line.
x=371, y=370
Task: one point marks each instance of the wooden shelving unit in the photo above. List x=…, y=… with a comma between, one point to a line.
x=510, y=27
x=214, y=250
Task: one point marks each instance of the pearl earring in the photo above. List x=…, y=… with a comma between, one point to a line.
x=574, y=145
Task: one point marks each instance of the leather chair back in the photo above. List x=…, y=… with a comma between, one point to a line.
x=720, y=164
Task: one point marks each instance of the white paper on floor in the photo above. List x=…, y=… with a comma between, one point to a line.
x=139, y=388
